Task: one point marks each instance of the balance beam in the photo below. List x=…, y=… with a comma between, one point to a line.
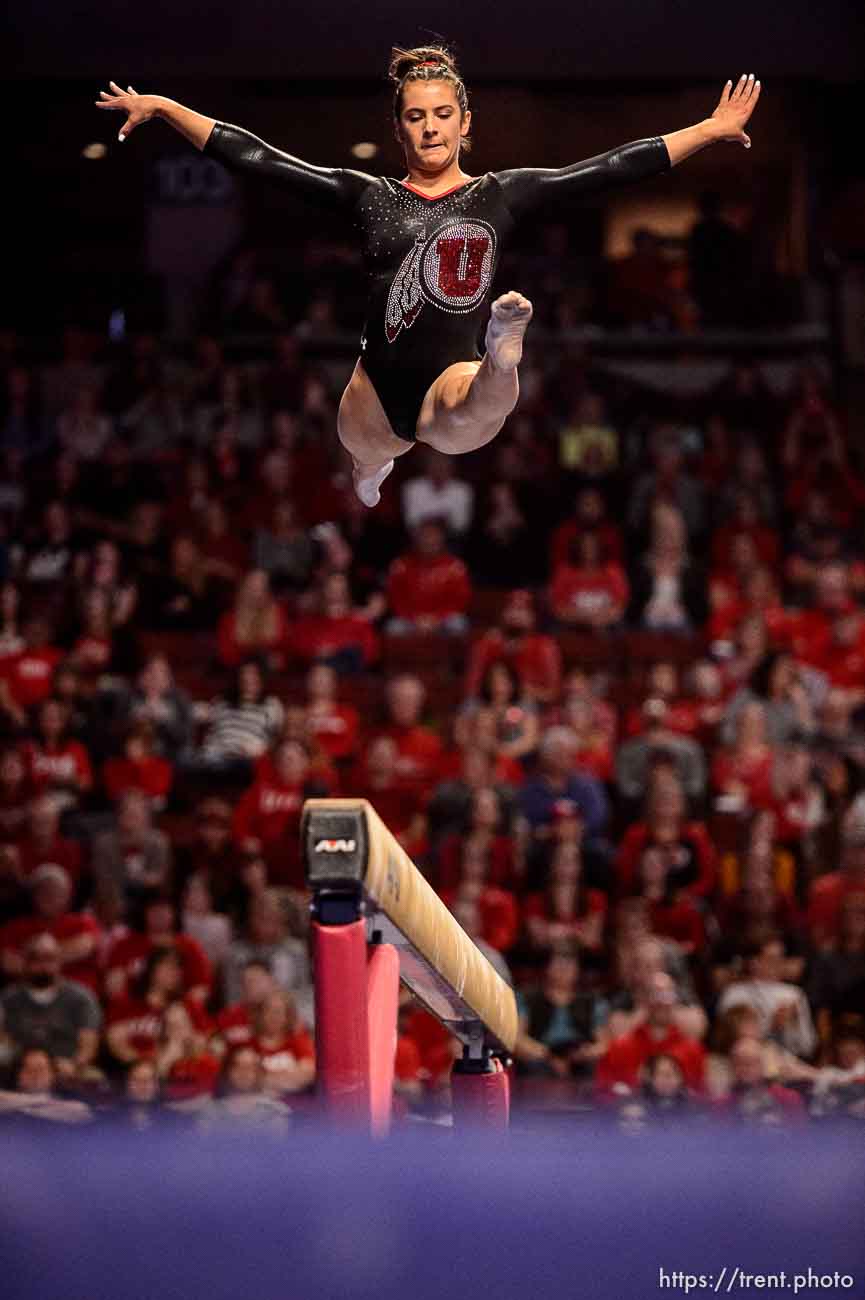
x=367, y=890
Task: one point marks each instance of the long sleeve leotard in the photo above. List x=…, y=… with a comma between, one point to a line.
x=430, y=262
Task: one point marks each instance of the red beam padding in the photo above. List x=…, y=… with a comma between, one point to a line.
x=481, y=1100
x=382, y=1002
x=341, y=1022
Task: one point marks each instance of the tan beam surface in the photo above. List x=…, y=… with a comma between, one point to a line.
x=400, y=892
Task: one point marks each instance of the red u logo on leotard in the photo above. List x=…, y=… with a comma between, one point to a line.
x=460, y=265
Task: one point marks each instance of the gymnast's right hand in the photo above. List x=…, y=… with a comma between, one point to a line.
x=138, y=108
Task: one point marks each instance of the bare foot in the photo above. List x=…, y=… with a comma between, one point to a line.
x=367, y=482
x=509, y=320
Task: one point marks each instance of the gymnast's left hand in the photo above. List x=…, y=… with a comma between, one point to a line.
x=735, y=106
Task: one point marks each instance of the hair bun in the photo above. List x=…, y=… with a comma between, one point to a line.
x=403, y=61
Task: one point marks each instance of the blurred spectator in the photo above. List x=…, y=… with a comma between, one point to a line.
x=556, y=1021
x=155, y=699
x=134, y=857
x=624, y=1059
x=183, y=1062
x=240, y=1097
x=255, y=626
x=638, y=756
x=828, y=892
x=128, y=957
x=286, y=551
x=334, y=726
x=200, y=920
x=686, y=846
x=241, y=725
x=377, y=778
x=284, y=1045
x=718, y=258
x=235, y=1023
x=335, y=633
x=514, y=713
x=77, y=934
x=46, y=561
x=55, y=762
x=83, y=426
x=438, y=495
x=428, y=588
x=43, y=844
x=778, y=685
x=26, y=677
x=45, y=1011
x=836, y=980
x=269, y=811
x=186, y=598
x=639, y=291
x=568, y=910
x=753, y=1099
x=782, y=1008
x=536, y=658
x=266, y=940
x=589, y=516
x=500, y=549
x=558, y=789
x=11, y=640
x=589, y=590
x=669, y=484
x=139, y=768
x=588, y=443
x=667, y=589
x=34, y=1093
x=134, y=1020
x=419, y=749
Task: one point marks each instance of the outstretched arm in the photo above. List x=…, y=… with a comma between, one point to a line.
x=237, y=148
x=529, y=187
x=726, y=123
x=141, y=108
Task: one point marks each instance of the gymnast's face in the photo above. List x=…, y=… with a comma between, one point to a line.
x=430, y=127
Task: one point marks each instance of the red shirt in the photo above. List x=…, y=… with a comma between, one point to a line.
x=540, y=906
x=501, y=861
x=320, y=637
x=270, y=812
x=585, y=593
x=396, y=803
x=290, y=1051
x=143, y=1021
x=499, y=917
x=825, y=900
x=15, y=809
x=60, y=853
x=608, y=535
x=434, y=587
x=765, y=542
x=15, y=936
x=130, y=954
x=693, y=847
x=682, y=716
x=192, y=1076
x=234, y=1025
x=65, y=764
x=419, y=754
x=335, y=728
x=232, y=651
x=753, y=772
x=30, y=675
x=92, y=653
x=679, y=921
x=152, y=775
x=535, y=659
x=626, y=1056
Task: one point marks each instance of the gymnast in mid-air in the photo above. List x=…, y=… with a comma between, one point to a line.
x=431, y=243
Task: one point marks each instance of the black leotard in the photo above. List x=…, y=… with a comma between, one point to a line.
x=430, y=262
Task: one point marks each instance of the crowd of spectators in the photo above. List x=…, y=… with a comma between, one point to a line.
x=605, y=680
